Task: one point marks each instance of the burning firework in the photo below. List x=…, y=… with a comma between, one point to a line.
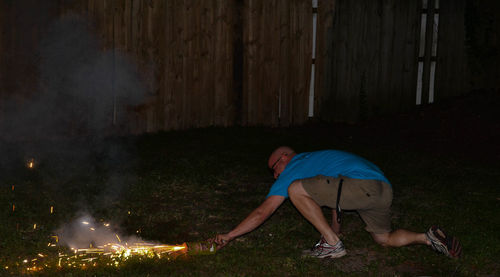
x=111, y=254
x=105, y=248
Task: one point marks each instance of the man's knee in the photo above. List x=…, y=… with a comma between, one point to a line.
x=381, y=239
x=295, y=188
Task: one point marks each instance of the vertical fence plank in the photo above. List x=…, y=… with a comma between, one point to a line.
x=223, y=86
x=386, y=52
x=250, y=41
x=370, y=83
x=178, y=14
x=281, y=99
x=304, y=41
x=324, y=53
x=207, y=54
x=338, y=104
x=451, y=69
x=410, y=55
x=167, y=71
x=189, y=23
x=269, y=60
x=3, y=61
x=3, y=55
x=295, y=100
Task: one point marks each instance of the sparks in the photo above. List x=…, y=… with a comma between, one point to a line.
x=111, y=254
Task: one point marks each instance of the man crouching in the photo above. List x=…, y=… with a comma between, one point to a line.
x=341, y=181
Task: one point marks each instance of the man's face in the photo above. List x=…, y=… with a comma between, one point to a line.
x=277, y=164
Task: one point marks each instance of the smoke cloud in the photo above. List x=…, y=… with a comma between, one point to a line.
x=85, y=232
x=82, y=90
x=66, y=124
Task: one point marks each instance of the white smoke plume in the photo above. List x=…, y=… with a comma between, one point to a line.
x=86, y=232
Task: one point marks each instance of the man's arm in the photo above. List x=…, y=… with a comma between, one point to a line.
x=252, y=221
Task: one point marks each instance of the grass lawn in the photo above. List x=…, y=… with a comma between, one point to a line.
x=182, y=186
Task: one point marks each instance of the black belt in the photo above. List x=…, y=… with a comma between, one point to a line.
x=337, y=206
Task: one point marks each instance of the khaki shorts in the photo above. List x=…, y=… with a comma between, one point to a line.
x=370, y=198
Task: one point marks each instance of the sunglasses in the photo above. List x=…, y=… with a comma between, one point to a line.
x=272, y=168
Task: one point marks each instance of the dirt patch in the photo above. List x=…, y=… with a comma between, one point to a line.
x=364, y=260
x=410, y=268
x=356, y=260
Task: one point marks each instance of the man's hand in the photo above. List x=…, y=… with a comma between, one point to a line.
x=221, y=240
x=252, y=221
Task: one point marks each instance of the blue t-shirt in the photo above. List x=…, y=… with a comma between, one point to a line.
x=328, y=163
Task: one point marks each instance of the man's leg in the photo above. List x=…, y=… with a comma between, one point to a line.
x=399, y=238
x=311, y=211
x=435, y=237
x=335, y=224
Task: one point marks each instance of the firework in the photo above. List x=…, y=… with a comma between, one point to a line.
x=111, y=254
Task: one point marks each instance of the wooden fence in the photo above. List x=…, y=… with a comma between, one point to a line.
x=248, y=62
x=373, y=66
x=215, y=62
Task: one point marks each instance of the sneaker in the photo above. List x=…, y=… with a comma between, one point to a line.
x=443, y=243
x=324, y=250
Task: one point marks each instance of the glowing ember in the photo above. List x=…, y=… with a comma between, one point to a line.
x=30, y=163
